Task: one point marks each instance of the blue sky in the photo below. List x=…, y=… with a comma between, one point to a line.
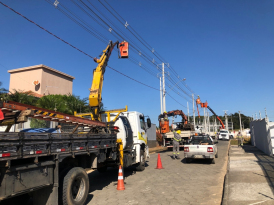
x=224, y=49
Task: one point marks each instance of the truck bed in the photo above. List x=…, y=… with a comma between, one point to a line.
x=26, y=145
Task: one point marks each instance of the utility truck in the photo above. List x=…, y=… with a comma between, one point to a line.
x=51, y=166
x=187, y=129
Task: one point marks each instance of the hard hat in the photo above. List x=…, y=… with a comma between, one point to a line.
x=178, y=131
x=165, y=112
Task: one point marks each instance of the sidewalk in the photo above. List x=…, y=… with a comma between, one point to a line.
x=250, y=178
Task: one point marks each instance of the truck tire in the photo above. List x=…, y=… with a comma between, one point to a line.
x=75, y=187
x=216, y=155
x=213, y=161
x=142, y=164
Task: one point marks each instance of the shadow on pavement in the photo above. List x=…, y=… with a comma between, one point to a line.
x=196, y=161
x=266, y=163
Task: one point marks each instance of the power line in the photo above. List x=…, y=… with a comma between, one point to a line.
x=85, y=28
x=151, y=49
x=79, y=49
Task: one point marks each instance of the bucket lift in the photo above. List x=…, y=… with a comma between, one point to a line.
x=123, y=47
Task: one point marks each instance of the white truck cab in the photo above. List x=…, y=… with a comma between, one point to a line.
x=133, y=133
x=224, y=134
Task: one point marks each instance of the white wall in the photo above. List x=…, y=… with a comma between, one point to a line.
x=262, y=135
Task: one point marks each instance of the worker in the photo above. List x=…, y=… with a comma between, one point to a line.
x=165, y=116
x=59, y=129
x=240, y=139
x=176, y=144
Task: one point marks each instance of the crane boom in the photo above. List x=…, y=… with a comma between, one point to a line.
x=223, y=126
x=95, y=95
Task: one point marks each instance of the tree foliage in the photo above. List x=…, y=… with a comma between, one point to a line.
x=20, y=96
x=64, y=103
x=36, y=123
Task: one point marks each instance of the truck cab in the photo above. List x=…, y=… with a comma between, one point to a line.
x=224, y=134
x=133, y=133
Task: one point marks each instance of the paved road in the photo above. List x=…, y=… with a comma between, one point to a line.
x=250, y=177
x=179, y=183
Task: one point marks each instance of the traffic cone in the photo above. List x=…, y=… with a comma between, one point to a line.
x=159, y=163
x=120, y=184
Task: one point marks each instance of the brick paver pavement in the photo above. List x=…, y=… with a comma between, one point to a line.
x=178, y=183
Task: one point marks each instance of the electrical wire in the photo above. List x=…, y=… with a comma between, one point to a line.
x=159, y=56
x=81, y=50
x=136, y=62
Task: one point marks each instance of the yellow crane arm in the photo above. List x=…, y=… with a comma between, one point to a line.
x=95, y=95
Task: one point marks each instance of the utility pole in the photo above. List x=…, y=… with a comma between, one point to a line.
x=161, y=95
x=208, y=122
x=231, y=123
x=204, y=120
x=187, y=112
x=260, y=115
x=265, y=114
x=240, y=121
x=193, y=110
x=226, y=121
x=215, y=125
x=164, y=90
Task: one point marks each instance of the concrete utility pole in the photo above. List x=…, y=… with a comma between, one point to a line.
x=215, y=125
x=193, y=110
x=164, y=89
x=226, y=122
x=231, y=123
x=240, y=121
x=187, y=112
x=161, y=95
x=204, y=120
x=208, y=122
x=260, y=115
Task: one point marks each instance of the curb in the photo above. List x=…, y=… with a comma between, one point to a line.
x=226, y=179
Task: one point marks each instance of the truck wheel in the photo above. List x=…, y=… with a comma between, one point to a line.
x=213, y=161
x=75, y=187
x=216, y=156
x=142, y=164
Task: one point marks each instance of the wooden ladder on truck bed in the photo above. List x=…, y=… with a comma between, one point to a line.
x=15, y=113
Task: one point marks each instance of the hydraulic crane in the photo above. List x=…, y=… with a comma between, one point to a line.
x=95, y=95
x=205, y=105
x=184, y=125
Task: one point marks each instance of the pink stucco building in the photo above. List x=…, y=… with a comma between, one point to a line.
x=40, y=79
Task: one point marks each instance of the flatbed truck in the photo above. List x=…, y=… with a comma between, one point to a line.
x=51, y=166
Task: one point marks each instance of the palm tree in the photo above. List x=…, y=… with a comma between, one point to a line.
x=2, y=90
x=64, y=103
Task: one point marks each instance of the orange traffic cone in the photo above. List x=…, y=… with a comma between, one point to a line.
x=159, y=163
x=120, y=184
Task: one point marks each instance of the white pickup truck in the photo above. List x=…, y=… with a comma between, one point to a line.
x=224, y=135
x=201, y=147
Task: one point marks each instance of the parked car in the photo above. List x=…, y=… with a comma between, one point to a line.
x=201, y=147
